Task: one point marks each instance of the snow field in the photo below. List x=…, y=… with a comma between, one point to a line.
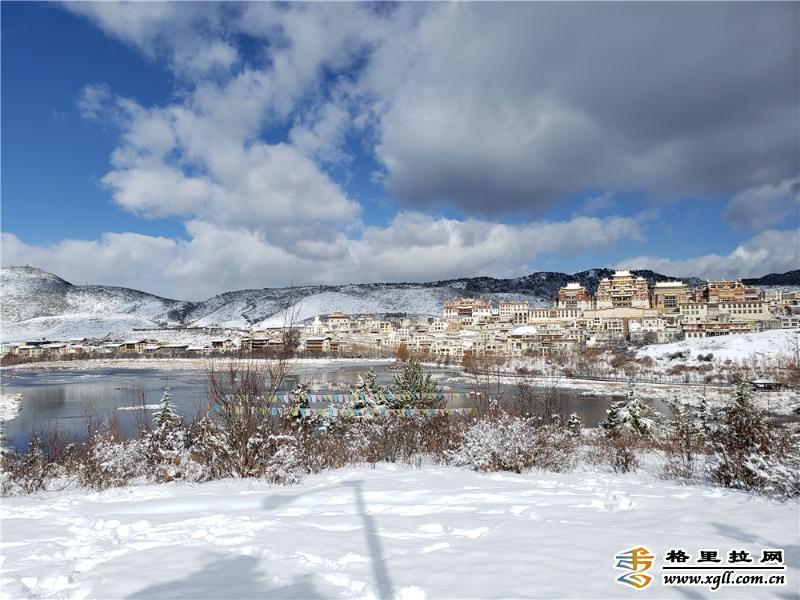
x=387, y=532
x=767, y=346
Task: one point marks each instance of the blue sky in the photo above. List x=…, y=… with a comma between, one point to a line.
x=188, y=148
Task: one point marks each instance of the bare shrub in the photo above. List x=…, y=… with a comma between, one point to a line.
x=242, y=396
x=620, y=452
x=622, y=457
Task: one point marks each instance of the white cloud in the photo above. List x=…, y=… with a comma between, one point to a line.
x=763, y=206
x=490, y=108
x=597, y=204
x=177, y=32
x=771, y=251
x=498, y=107
x=93, y=100
x=220, y=258
x=321, y=134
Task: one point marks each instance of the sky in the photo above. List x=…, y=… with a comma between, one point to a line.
x=188, y=149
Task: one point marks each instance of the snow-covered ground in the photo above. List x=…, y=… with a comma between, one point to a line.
x=388, y=532
x=77, y=325
x=9, y=406
x=766, y=346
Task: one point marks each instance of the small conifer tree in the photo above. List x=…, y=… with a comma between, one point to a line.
x=631, y=416
x=413, y=386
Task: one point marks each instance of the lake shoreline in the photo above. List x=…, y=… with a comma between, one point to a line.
x=688, y=393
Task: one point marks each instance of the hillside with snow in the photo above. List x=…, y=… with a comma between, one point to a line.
x=37, y=304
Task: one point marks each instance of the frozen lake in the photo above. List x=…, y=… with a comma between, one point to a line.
x=58, y=399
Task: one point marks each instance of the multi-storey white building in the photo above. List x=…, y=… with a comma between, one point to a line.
x=623, y=290
x=468, y=311
x=513, y=312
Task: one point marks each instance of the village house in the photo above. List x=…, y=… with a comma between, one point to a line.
x=171, y=350
x=223, y=344
x=338, y=321
x=745, y=311
x=468, y=311
x=318, y=344
x=712, y=329
x=513, y=312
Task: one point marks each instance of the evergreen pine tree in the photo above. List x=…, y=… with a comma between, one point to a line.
x=168, y=426
x=574, y=424
x=632, y=416
x=413, y=386
x=166, y=416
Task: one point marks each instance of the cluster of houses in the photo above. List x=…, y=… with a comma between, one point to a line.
x=149, y=347
x=625, y=308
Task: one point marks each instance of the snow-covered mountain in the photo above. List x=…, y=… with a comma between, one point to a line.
x=38, y=304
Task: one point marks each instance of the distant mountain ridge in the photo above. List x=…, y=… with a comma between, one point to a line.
x=38, y=304
x=789, y=278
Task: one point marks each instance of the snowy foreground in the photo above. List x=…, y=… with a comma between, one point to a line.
x=389, y=532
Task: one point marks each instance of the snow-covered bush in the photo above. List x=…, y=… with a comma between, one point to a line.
x=285, y=465
x=169, y=456
x=209, y=449
x=110, y=463
x=631, y=416
x=574, y=424
x=779, y=476
x=749, y=451
x=367, y=393
x=514, y=444
x=684, y=439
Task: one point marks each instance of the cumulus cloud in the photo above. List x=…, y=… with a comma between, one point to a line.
x=765, y=205
x=413, y=246
x=93, y=100
x=503, y=107
x=770, y=251
x=488, y=108
x=176, y=31
x=515, y=107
